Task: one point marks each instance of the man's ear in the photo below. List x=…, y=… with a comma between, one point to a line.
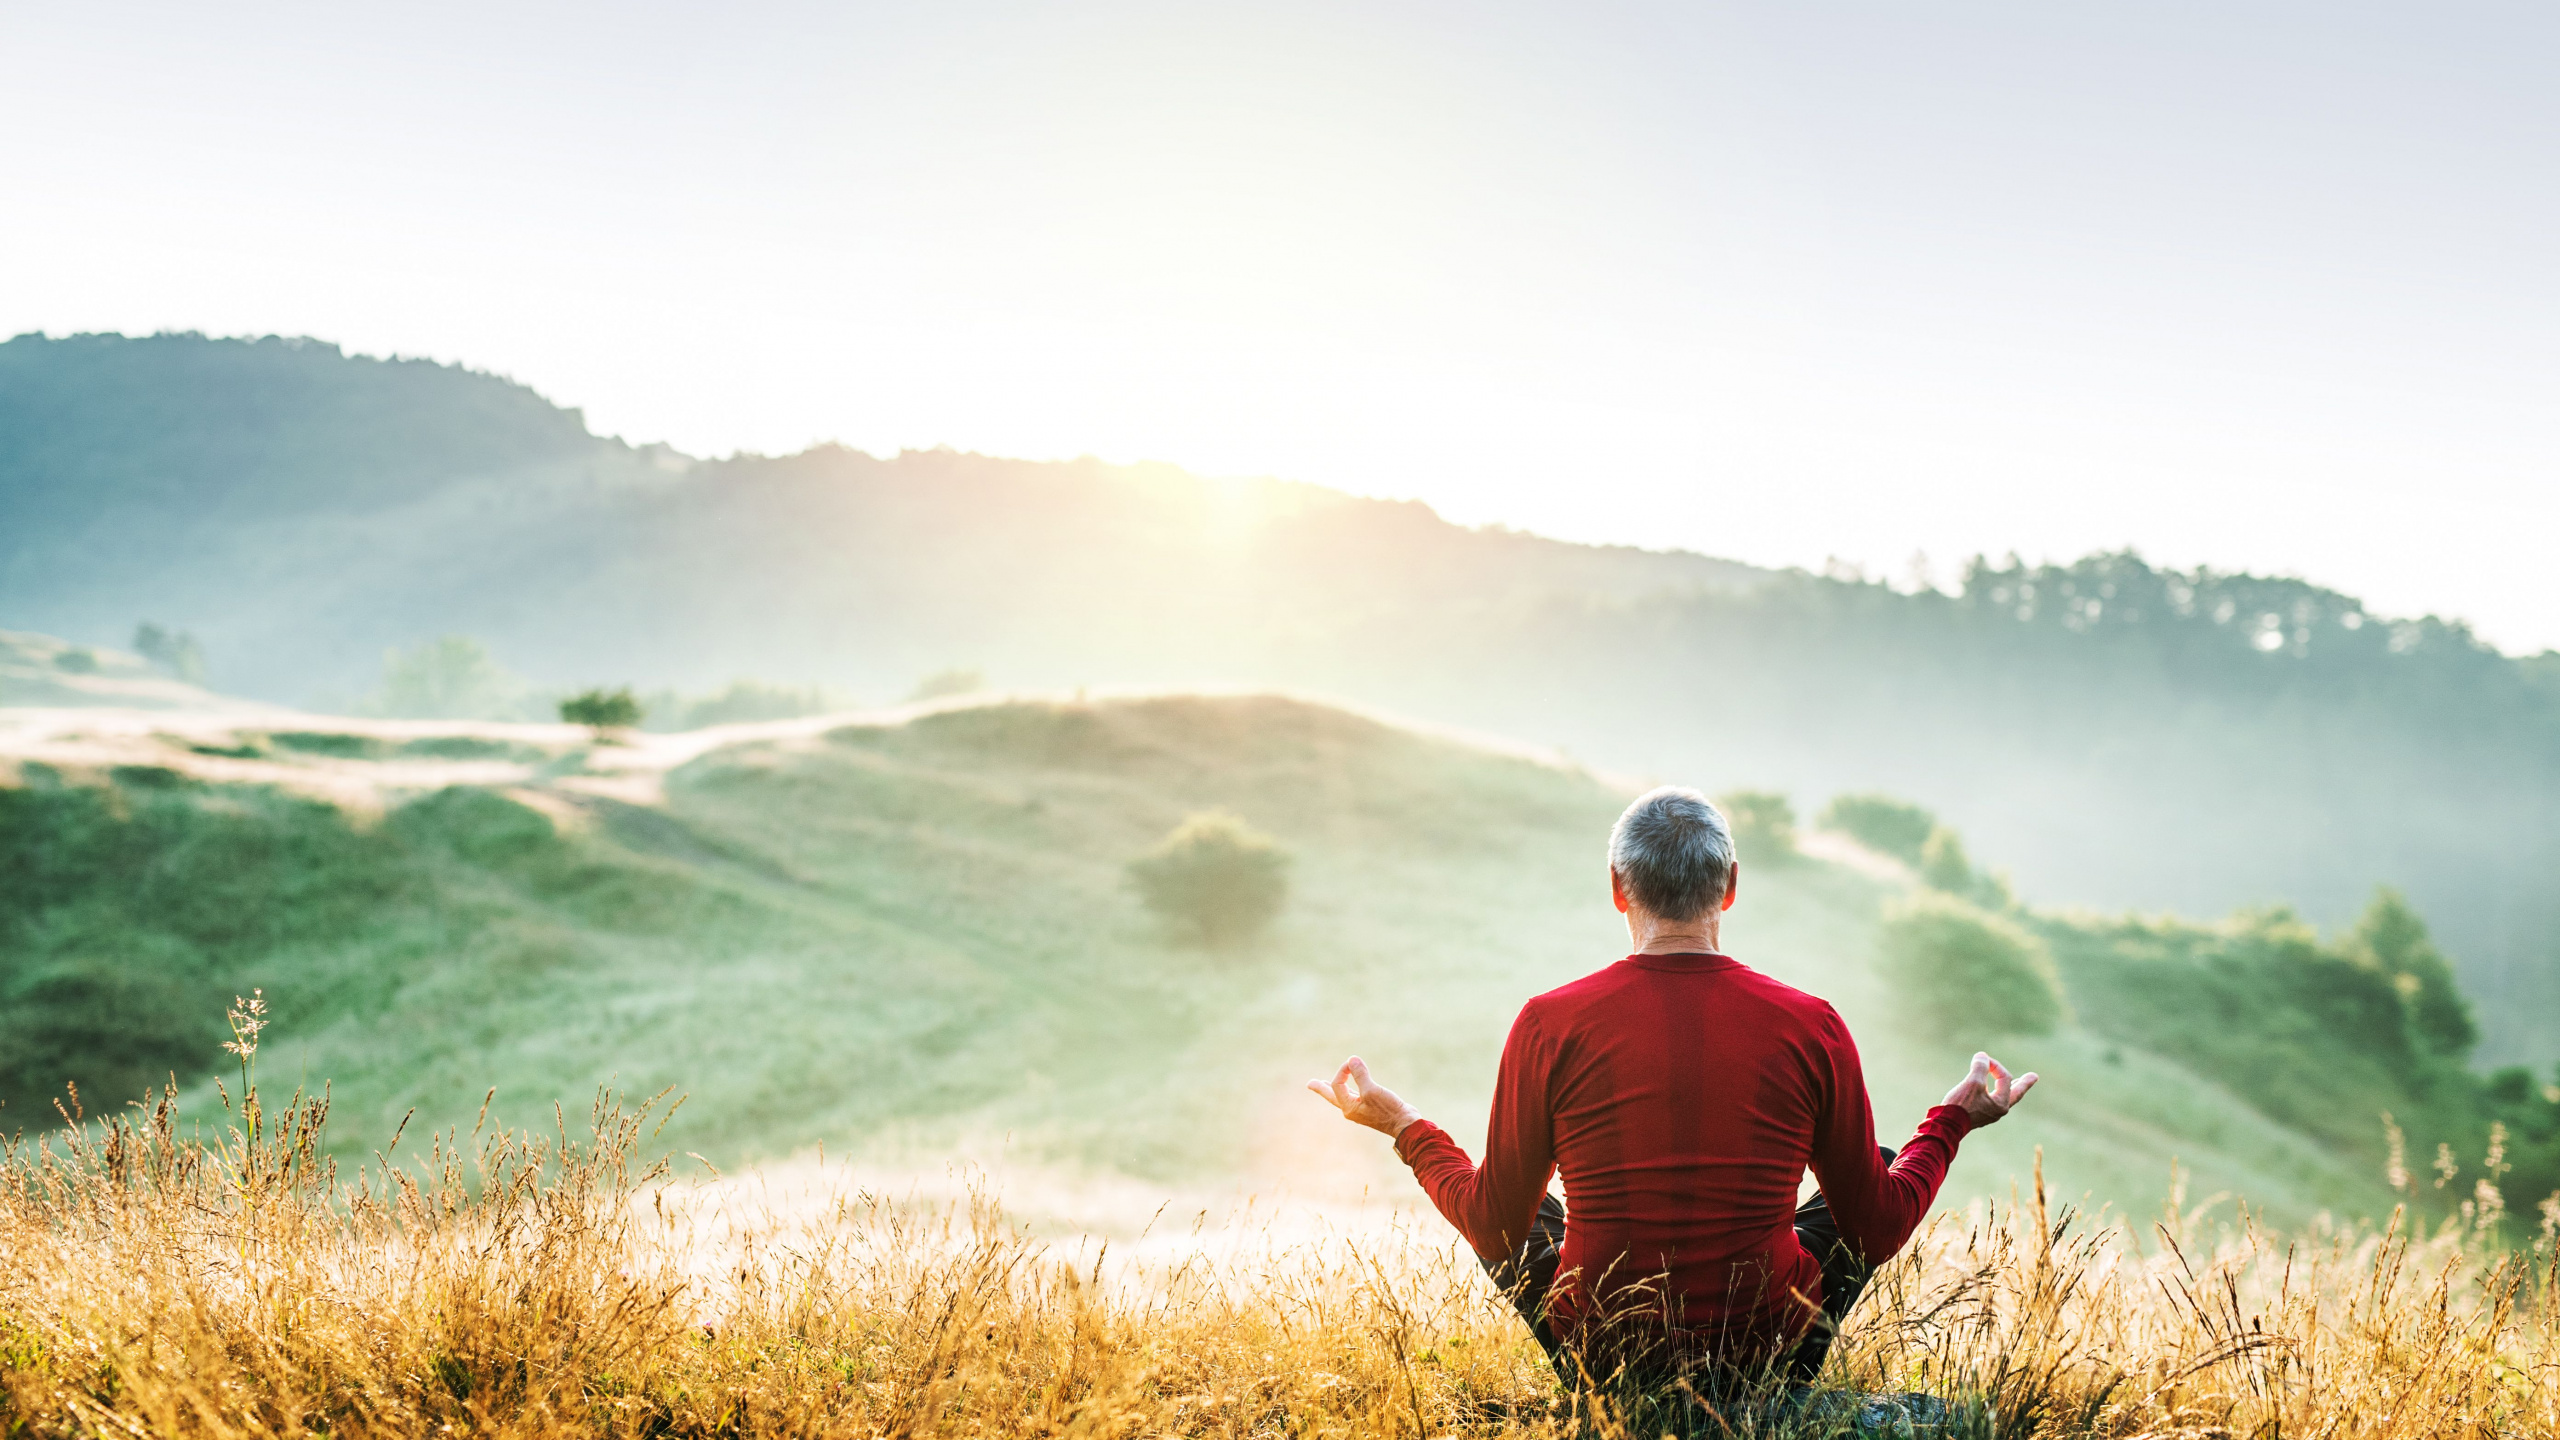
x=1617, y=890
x=1732, y=886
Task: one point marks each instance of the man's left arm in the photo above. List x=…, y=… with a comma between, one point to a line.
x=1876, y=1205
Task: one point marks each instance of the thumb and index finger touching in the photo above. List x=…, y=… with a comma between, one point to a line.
x=1341, y=1093
x=1995, y=1080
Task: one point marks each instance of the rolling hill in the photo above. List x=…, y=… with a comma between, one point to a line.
x=906, y=936
x=2123, y=735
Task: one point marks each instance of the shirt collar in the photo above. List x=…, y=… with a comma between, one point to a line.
x=1704, y=962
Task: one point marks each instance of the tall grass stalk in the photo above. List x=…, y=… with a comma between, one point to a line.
x=533, y=1284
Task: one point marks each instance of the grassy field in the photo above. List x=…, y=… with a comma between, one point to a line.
x=549, y=1284
x=909, y=940
x=1018, y=1159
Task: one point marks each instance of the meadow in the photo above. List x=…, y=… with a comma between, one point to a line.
x=909, y=934
x=551, y=1283
x=950, y=1136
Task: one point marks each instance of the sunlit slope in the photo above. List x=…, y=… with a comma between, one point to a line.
x=911, y=941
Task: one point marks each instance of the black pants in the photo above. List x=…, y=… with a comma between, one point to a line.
x=1528, y=1275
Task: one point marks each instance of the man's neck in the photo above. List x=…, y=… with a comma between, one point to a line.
x=1661, y=938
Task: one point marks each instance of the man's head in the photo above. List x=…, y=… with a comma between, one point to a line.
x=1671, y=856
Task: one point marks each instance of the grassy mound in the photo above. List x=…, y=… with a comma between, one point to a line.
x=919, y=940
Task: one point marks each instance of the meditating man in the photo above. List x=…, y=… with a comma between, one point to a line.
x=1683, y=1095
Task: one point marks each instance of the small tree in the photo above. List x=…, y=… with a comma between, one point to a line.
x=602, y=710
x=2392, y=936
x=1764, y=826
x=1881, y=823
x=1968, y=972
x=1214, y=876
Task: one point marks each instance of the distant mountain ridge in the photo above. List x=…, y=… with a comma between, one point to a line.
x=2125, y=736
x=374, y=503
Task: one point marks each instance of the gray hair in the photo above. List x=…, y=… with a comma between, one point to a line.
x=1673, y=853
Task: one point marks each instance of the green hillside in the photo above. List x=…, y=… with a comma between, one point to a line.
x=911, y=940
x=2125, y=736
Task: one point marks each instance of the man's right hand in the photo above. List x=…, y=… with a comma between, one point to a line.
x=1364, y=1101
x=1987, y=1091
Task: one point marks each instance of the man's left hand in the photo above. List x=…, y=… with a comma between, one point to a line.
x=1988, y=1090
x=1364, y=1101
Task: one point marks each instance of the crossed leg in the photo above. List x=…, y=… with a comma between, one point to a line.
x=1529, y=1274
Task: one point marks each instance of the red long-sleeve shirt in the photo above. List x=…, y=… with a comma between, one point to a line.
x=1683, y=1097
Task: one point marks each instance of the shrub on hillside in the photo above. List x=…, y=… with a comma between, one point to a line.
x=1763, y=824
x=2393, y=937
x=2322, y=1034
x=1968, y=972
x=601, y=710
x=1881, y=823
x=1214, y=876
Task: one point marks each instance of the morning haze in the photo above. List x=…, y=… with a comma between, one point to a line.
x=635, y=799
x=2115, y=734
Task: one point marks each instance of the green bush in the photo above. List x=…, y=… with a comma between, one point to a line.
x=1881, y=823
x=1214, y=876
x=1968, y=972
x=1764, y=825
x=602, y=710
x=2391, y=935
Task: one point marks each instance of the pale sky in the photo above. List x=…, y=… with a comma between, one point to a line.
x=2261, y=286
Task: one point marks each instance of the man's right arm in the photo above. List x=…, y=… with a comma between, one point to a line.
x=1493, y=1203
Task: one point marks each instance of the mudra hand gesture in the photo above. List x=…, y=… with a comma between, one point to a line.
x=1987, y=1091
x=1364, y=1101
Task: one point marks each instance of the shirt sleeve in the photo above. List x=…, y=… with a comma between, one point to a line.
x=1493, y=1204
x=1875, y=1205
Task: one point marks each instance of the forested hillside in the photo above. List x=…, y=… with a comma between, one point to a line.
x=2123, y=735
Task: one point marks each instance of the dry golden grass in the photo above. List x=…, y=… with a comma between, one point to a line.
x=513, y=1284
